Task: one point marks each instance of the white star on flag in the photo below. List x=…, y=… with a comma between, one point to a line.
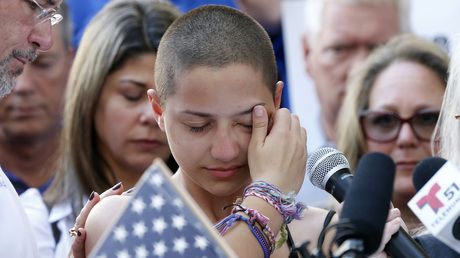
x=141, y=252
x=123, y=254
x=157, y=202
x=180, y=245
x=156, y=180
x=139, y=229
x=178, y=222
x=138, y=206
x=159, y=225
x=159, y=248
x=120, y=233
x=201, y=242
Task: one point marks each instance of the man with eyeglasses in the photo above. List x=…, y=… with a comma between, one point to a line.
x=25, y=26
x=26, y=29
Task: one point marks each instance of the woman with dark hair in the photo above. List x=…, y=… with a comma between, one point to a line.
x=109, y=134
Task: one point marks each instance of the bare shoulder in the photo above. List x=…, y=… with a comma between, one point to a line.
x=310, y=226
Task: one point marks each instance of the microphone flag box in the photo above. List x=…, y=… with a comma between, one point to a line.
x=437, y=204
x=161, y=220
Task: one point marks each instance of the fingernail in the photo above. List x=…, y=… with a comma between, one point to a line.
x=258, y=111
x=78, y=232
x=130, y=190
x=115, y=187
x=91, y=196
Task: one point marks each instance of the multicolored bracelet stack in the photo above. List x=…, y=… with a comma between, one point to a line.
x=256, y=217
x=258, y=223
x=285, y=204
x=224, y=225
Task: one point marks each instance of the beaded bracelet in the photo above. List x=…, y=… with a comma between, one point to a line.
x=224, y=225
x=285, y=204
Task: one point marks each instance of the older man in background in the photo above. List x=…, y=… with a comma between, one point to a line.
x=30, y=117
x=340, y=34
x=26, y=29
x=30, y=126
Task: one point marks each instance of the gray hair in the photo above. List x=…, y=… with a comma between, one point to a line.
x=315, y=8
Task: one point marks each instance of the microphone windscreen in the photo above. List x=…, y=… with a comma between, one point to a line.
x=425, y=170
x=367, y=202
x=323, y=163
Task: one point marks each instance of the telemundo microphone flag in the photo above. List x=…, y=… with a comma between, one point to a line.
x=161, y=220
x=437, y=205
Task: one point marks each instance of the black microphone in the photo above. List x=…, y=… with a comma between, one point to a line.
x=425, y=170
x=329, y=170
x=366, y=207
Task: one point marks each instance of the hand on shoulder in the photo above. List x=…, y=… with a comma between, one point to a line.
x=101, y=217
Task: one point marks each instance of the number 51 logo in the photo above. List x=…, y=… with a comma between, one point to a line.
x=433, y=201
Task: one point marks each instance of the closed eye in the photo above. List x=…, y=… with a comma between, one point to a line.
x=32, y=5
x=247, y=126
x=133, y=98
x=199, y=129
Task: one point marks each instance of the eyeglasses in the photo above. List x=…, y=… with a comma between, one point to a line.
x=383, y=127
x=44, y=14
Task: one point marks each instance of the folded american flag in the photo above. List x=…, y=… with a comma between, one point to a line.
x=160, y=221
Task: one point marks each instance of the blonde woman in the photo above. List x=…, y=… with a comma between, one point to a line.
x=392, y=107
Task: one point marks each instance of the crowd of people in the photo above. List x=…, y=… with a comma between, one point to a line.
x=206, y=92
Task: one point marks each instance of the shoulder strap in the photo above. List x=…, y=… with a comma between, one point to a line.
x=328, y=218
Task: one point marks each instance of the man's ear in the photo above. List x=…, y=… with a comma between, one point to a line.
x=156, y=107
x=278, y=92
x=306, y=50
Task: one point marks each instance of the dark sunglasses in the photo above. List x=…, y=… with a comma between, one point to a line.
x=383, y=126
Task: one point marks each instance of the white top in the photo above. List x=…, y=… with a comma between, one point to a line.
x=16, y=237
x=62, y=214
x=37, y=213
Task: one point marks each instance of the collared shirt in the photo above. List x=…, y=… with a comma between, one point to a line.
x=36, y=211
x=63, y=216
